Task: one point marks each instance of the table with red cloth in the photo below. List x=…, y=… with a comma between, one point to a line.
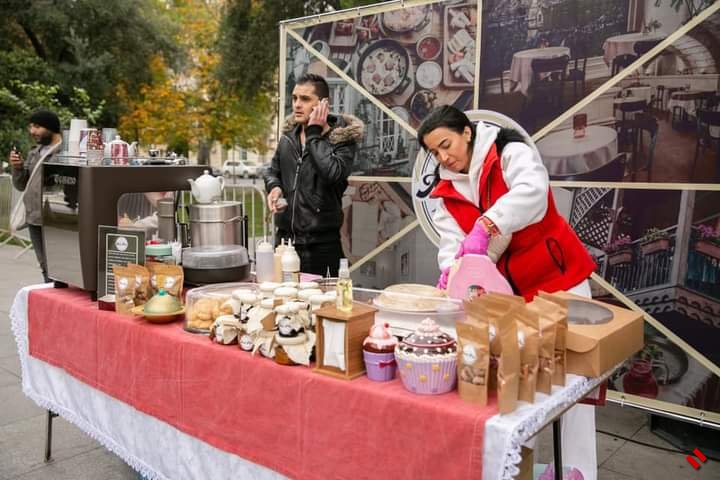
x=175, y=405
x=292, y=420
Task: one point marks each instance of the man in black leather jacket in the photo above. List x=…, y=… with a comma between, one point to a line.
x=309, y=171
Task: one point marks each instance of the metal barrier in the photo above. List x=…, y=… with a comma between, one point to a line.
x=8, y=198
x=252, y=195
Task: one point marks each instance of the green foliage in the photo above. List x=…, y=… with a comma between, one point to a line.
x=95, y=45
x=249, y=36
x=21, y=94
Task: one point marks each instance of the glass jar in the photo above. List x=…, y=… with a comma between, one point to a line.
x=205, y=304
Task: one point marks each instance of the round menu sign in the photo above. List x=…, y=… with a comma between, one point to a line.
x=121, y=244
x=424, y=172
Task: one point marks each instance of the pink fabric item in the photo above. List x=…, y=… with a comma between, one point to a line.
x=476, y=242
x=292, y=420
x=477, y=270
x=442, y=281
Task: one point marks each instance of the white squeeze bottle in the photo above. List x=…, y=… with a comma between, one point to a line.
x=344, y=300
x=290, y=264
x=277, y=261
x=264, y=262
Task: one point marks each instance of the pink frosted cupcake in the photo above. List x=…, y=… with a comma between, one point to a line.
x=427, y=360
x=378, y=352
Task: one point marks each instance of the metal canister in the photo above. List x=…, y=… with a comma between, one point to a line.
x=219, y=223
x=166, y=219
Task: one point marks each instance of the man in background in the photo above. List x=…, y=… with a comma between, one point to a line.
x=45, y=130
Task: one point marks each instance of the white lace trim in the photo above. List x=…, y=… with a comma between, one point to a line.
x=20, y=330
x=549, y=409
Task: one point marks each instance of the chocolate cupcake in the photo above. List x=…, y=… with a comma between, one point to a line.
x=427, y=360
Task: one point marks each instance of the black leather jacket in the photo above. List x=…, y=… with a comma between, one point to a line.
x=313, y=181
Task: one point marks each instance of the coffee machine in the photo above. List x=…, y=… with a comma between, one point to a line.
x=77, y=198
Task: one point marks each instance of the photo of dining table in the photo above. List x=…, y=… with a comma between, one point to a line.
x=521, y=73
x=625, y=108
x=687, y=100
x=564, y=155
x=625, y=44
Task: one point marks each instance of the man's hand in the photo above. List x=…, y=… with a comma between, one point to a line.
x=272, y=200
x=15, y=160
x=319, y=114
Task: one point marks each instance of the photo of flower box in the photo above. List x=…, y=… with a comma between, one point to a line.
x=620, y=257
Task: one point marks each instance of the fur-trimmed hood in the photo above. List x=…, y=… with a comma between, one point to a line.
x=344, y=128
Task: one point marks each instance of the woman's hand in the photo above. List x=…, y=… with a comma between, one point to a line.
x=476, y=242
x=443, y=280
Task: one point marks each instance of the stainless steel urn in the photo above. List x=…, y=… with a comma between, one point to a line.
x=219, y=223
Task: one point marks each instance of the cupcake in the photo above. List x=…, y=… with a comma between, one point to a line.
x=427, y=360
x=379, y=353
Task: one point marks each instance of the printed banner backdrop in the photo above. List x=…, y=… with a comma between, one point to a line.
x=660, y=124
x=659, y=248
x=387, y=149
x=666, y=259
x=411, y=59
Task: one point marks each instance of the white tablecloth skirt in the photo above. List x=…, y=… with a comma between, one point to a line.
x=160, y=451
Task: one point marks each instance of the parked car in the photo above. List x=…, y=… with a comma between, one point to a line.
x=238, y=168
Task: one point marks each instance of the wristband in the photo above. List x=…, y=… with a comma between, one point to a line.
x=489, y=226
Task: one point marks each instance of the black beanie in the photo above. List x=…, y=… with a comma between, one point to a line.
x=47, y=119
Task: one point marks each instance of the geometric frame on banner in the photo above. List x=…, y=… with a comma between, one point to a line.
x=362, y=18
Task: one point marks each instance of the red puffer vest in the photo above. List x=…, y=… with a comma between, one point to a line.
x=545, y=256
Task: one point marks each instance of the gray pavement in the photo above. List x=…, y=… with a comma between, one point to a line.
x=78, y=457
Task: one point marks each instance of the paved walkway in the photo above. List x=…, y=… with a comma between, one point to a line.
x=78, y=457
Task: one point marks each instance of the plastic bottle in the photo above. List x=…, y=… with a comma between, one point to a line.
x=344, y=300
x=277, y=262
x=264, y=262
x=290, y=264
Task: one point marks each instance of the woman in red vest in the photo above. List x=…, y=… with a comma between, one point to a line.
x=494, y=188
x=496, y=200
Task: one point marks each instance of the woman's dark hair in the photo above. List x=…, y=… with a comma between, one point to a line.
x=453, y=119
x=448, y=117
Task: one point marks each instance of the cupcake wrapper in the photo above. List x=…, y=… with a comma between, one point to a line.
x=380, y=367
x=426, y=377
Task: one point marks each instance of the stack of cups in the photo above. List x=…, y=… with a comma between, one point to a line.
x=76, y=125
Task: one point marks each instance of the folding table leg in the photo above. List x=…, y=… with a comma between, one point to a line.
x=557, y=449
x=48, y=436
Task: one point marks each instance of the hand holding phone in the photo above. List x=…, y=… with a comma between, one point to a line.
x=319, y=114
x=15, y=159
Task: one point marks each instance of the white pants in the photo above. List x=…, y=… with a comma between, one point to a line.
x=579, y=445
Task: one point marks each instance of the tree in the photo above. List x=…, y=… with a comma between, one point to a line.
x=249, y=36
x=92, y=44
x=186, y=106
x=21, y=94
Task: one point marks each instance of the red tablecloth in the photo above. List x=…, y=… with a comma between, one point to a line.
x=290, y=419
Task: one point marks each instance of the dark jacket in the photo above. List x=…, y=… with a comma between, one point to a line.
x=33, y=194
x=313, y=182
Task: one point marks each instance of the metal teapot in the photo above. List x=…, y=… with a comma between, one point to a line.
x=206, y=188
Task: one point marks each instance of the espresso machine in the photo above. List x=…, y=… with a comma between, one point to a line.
x=77, y=198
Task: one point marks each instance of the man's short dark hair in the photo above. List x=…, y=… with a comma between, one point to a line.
x=319, y=84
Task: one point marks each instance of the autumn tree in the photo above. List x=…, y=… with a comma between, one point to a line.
x=185, y=107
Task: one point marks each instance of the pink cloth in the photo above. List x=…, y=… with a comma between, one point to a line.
x=297, y=422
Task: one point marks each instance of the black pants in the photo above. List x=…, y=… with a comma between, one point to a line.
x=318, y=258
x=36, y=237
